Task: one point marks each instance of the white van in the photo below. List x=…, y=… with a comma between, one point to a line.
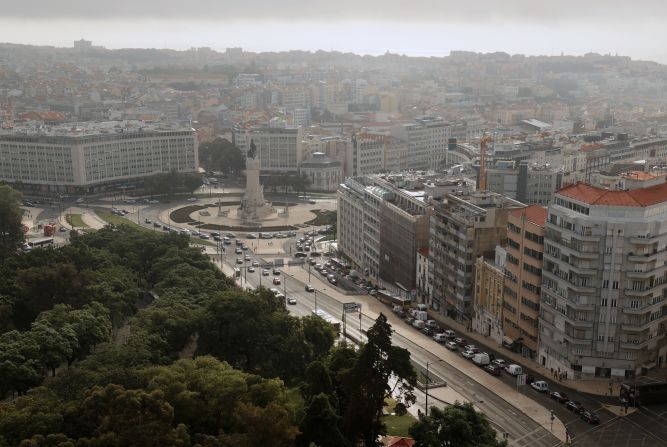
x=423, y=307
x=419, y=324
x=440, y=338
x=513, y=369
x=481, y=359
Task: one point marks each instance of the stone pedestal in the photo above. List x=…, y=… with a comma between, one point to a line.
x=253, y=205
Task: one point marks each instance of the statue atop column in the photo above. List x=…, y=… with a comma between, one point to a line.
x=252, y=152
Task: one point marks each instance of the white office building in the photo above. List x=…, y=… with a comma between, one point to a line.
x=427, y=141
x=603, y=311
x=87, y=156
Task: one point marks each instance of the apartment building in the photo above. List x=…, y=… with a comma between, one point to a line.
x=523, y=267
x=603, y=311
x=462, y=229
x=427, y=141
x=379, y=226
x=530, y=184
x=365, y=156
x=87, y=157
x=488, y=299
x=279, y=146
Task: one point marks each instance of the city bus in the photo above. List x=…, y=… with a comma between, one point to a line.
x=41, y=242
x=328, y=318
x=394, y=300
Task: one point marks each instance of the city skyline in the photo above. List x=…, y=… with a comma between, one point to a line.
x=425, y=29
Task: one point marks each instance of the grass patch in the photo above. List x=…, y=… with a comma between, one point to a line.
x=76, y=221
x=118, y=220
x=397, y=425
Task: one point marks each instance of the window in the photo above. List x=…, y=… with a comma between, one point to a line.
x=615, y=285
x=603, y=302
x=613, y=302
x=634, y=304
x=605, y=284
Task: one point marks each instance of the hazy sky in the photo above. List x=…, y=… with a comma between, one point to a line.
x=414, y=27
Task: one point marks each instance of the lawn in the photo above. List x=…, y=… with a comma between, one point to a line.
x=397, y=425
x=76, y=221
x=113, y=219
x=119, y=220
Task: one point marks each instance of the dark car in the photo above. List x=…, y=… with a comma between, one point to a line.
x=559, y=397
x=460, y=341
x=428, y=331
x=529, y=379
x=589, y=417
x=492, y=369
x=574, y=406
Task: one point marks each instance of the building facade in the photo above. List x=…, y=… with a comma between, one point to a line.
x=379, y=224
x=523, y=267
x=324, y=174
x=427, y=141
x=603, y=311
x=463, y=228
x=280, y=147
x=89, y=157
x=488, y=299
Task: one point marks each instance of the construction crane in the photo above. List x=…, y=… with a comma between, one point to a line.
x=481, y=184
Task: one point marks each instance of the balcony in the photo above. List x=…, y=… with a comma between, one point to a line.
x=644, y=240
x=648, y=290
x=644, y=257
x=644, y=307
x=657, y=271
x=645, y=325
x=638, y=345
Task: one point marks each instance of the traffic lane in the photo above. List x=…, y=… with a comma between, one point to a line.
x=522, y=429
x=571, y=420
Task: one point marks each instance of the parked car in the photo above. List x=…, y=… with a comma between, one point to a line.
x=309, y=288
x=452, y=346
x=251, y=236
x=276, y=281
x=333, y=281
x=494, y=370
x=499, y=362
x=427, y=331
x=589, y=417
x=431, y=323
x=559, y=397
x=460, y=341
x=574, y=406
x=472, y=348
x=540, y=385
x=449, y=333
x=192, y=199
x=468, y=354
x=440, y=338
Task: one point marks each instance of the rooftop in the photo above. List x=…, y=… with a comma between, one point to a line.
x=534, y=213
x=82, y=129
x=592, y=195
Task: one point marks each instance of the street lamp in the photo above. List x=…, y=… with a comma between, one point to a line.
x=428, y=380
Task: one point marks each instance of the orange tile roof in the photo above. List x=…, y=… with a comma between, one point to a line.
x=592, y=195
x=534, y=213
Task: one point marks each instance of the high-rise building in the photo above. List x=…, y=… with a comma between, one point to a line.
x=380, y=228
x=488, y=298
x=427, y=141
x=523, y=267
x=603, y=311
x=280, y=147
x=526, y=183
x=463, y=228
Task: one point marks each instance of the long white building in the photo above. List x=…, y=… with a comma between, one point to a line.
x=86, y=157
x=603, y=311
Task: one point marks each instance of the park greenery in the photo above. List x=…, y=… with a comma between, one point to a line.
x=131, y=338
x=169, y=183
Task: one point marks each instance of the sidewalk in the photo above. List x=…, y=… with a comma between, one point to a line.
x=595, y=387
x=372, y=308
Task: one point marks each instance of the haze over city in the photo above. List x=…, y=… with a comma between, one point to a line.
x=424, y=28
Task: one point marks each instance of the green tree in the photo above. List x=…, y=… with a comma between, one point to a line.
x=19, y=365
x=261, y=426
x=221, y=155
x=320, y=425
x=317, y=380
x=116, y=416
x=11, y=230
x=457, y=425
x=368, y=382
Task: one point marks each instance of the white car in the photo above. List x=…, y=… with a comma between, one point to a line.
x=255, y=264
x=309, y=288
x=265, y=272
x=452, y=346
x=291, y=300
x=251, y=269
x=540, y=385
x=468, y=354
x=192, y=199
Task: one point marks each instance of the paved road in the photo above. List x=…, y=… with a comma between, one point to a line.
x=523, y=431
